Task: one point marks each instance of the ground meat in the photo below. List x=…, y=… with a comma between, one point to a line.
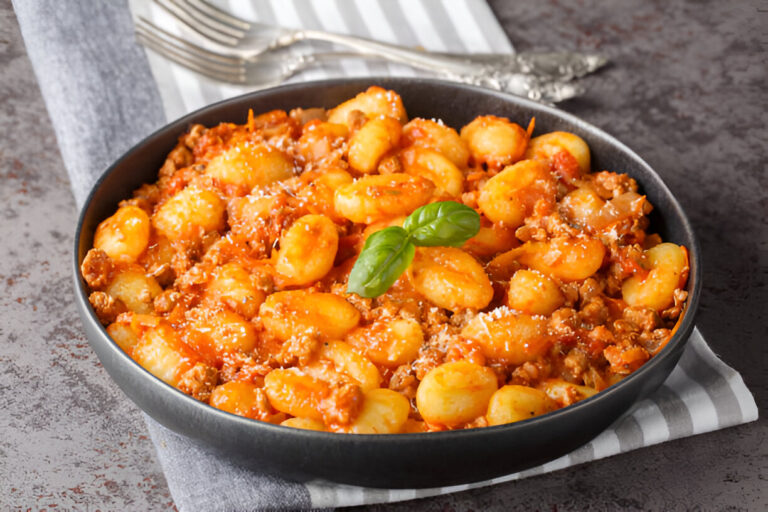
x=166, y=301
x=362, y=304
x=653, y=341
x=263, y=409
x=594, y=311
x=195, y=132
x=404, y=381
x=299, y=349
x=624, y=361
x=562, y=324
x=168, y=169
x=530, y=373
x=342, y=405
x=543, y=227
x=107, y=308
x=181, y=156
x=575, y=363
x=610, y=184
x=478, y=422
x=199, y=381
x=645, y=319
x=97, y=269
x=243, y=367
x=430, y=357
x=673, y=312
x=597, y=339
x=589, y=289
x=570, y=292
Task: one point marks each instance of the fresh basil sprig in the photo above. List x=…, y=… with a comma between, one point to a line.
x=447, y=223
x=387, y=253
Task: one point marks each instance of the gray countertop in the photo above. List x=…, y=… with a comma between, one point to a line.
x=686, y=90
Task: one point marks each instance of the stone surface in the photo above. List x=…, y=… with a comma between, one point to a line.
x=686, y=90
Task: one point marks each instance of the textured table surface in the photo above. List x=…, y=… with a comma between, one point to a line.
x=686, y=90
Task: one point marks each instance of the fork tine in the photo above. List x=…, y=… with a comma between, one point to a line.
x=220, y=15
x=194, y=11
x=180, y=12
x=177, y=55
x=186, y=63
x=199, y=51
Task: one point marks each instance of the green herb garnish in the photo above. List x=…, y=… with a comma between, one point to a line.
x=387, y=253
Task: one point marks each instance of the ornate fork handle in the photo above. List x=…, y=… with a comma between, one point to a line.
x=551, y=66
x=562, y=66
x=544, y=90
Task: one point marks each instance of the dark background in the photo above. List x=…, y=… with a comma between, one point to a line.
x=686, y=89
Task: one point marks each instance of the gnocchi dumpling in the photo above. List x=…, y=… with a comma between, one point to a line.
x=450, y=278
x=430, y=134
x=511, y=195
x=190, y=211
x=549, y=146
x=514, y=403
x=125, y=235
x=534, y=293
x=455, y=393
x=307, y=249
x=667, y=266
x=508, y=336
x=161, y=352
x=379, y=197
x=296, y=393
x=374, y=102
x=567, y=259
x=369, y=144
x=135, y=289
x=430, y=164
x=495, y=141
x=390, y=342
x=383, y=412
x=352, y=364
x=232, y=285
x=248, y=166
x=291, y=312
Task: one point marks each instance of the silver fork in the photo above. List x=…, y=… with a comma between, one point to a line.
x=248, y=39
x=272, y=68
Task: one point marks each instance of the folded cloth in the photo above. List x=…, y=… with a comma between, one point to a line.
x=102, y=98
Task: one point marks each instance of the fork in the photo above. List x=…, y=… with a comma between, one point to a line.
x=236, y=36
x=272, y=68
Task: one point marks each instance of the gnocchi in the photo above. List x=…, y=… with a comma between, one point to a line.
x=455, y=393
x=517, y=403
x=125, y=235
x=289, y=312
x=248, y=166
x=511, y=195
x=450, y=278
x=229, y=278
x=495, y=141
x=379, y=197
x=307, y=249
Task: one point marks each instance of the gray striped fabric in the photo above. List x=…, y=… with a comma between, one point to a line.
x=101, y=100
x=467, y=26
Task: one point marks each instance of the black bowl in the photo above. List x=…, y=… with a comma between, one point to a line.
x=404, y=460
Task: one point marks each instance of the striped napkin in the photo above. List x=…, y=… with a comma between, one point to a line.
x=103, y=98
x=461, y=26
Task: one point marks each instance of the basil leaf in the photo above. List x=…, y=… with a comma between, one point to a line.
x=386, y=255
x=446, y=223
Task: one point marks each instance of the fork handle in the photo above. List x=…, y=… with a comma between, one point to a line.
x=395, y=53
x=514, y=82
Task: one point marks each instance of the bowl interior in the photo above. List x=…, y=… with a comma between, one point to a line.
x=532, y=439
